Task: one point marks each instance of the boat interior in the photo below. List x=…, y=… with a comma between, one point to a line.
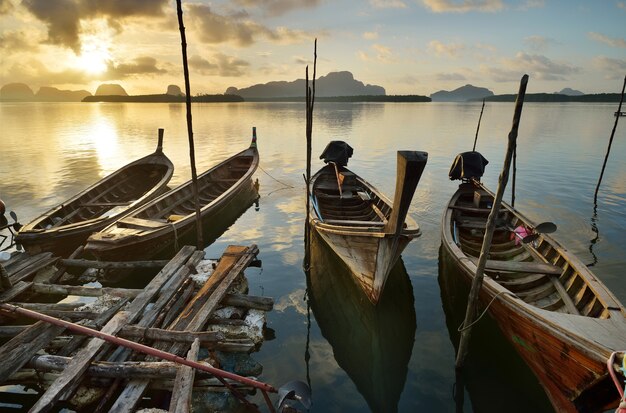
x=180, y=203
x=535, y=272
x=109, y=198
x=349, y=203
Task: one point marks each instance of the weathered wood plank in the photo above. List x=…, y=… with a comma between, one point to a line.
x=183, y=385
x=17, y=289
x=16, y=352
x=54, y=289
x=72, y=375
x=247, y=301
x=83, y=263
x=61, y=269
x=41, y=261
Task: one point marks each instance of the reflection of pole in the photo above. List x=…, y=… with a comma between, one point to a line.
x=491, y=224
x=606, y=157
x=192, y=153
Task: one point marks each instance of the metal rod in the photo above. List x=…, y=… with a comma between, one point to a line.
x=137, y=347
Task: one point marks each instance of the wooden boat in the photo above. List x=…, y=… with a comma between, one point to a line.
x=557, y=314
x=372, y=344
x=359, y=223
x=170, y=219
x=67, y=225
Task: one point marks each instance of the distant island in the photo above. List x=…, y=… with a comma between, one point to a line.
x=462, y=94
x=555, y=97
x=333, y=84
x=164, y=98
x=20, y=92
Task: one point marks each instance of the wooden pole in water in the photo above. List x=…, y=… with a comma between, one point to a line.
x=478, y=127
x=491, y=224
x=192, y=152
x=310, y=100
x=606, y=157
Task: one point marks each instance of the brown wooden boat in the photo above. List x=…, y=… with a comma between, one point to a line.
x=170, y=219
x=557, y=314
x=358, y=222
x=67, y=225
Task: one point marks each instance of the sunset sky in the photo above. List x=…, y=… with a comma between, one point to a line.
x=406, y=46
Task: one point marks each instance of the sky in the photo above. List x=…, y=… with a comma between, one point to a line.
x=406, y=46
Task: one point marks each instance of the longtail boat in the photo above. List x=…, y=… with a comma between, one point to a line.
x=161, y=226
x=372, y=344
x=66, y=226
x=561, y=319
x=357, y=221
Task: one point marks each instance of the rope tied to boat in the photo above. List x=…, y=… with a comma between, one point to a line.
x=463, y=328
x=620, y=389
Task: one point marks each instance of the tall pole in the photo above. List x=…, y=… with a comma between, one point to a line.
x=606, y=157
x=192, y=153
x=478, y=127
x=310, y=100
x=477, y=282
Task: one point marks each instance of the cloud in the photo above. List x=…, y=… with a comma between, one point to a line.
x=450, y=76
x=532, y=4
x=538, y=66
x=441, y=49
x=381, y=53
x=278, y=7
x=621, y=5
x=538, y=43
x=370, y=35
x=17, y=41
x=388, y=4
x=613, y=42
x=614, y=68
x=463, y=6
x=5, y=7
x=215, y=28
x=64, y=18
x=33, y=72
x=140, y=66
x=220, y=65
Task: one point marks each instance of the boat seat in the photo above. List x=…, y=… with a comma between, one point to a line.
x=348, y=222
x=138, y=223
x=532, y=267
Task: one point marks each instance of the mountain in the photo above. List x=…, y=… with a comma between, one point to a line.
x=333, y=84
x=569, y=92
x=110, y=89
x=174, y=91
x=52, y=94
x=16, y=91
x=462, y=94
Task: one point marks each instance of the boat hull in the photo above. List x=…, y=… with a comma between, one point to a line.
x=370, y=257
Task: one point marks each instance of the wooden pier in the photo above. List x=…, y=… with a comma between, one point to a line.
x=210, y=320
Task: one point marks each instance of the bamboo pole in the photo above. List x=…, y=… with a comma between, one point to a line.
x=478, y=127
x=606, y=157
x=310, y=101
x=491, y=224
x=192, y=152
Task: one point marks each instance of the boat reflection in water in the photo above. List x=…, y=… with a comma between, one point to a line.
x=371, y=343
x=494, y=375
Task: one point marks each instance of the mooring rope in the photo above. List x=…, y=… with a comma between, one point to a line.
x=461, y=328
x=285, y=186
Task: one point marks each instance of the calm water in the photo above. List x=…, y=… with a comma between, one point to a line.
x=401, y=356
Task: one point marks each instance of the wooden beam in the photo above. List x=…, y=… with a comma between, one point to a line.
x=183, y=385
x=54, y=289
x=82, y=263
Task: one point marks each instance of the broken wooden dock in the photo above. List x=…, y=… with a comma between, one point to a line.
x=213, y=321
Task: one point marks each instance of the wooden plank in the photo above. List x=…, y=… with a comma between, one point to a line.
x=67, y=382
x=55, y=289
x=136, y=332
x=17, y=289
x=347, y=222
x=247, y=301
x=16, y=352
x=521, y=266
x=82, y=263
x=183, y=385
x=42, y=261
x=61, y=268
x=132, y=222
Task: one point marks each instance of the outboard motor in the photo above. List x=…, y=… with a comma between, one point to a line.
x=468, y=166
x=337, y=152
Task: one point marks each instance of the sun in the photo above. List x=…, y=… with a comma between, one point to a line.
x=94, y=54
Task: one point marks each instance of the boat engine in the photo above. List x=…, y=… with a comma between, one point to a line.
x=468, y=166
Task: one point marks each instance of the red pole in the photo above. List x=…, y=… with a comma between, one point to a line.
x=138, y=347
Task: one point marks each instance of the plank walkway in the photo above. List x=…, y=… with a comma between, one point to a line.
x=171, y=313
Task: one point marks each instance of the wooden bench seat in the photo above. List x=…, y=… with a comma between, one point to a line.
x=531, y=267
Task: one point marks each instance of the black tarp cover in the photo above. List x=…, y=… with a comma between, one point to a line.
x=337, y=152
x=468, y=165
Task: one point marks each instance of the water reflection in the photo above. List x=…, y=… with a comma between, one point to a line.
x=372, y=344
x=494, y=376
